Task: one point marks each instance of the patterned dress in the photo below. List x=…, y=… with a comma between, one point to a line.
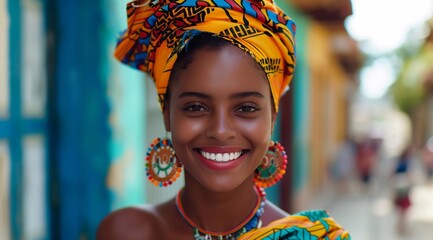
x=308, y=225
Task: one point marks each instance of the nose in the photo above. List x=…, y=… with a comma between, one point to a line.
x=221, y=126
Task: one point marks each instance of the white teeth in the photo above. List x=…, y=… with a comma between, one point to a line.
x=221, y=157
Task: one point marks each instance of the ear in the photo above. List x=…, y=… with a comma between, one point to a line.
x=166, y=116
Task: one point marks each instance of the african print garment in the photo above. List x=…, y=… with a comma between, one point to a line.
x=308, y=225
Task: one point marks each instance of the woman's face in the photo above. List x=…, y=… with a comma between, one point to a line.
x=221, y=117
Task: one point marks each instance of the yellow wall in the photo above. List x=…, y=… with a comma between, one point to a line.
x=328, y=102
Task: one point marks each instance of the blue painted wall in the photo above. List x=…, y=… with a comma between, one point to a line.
x=127, y=95
x=81, y=133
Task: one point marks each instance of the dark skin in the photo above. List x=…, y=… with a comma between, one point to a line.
x=221, y=103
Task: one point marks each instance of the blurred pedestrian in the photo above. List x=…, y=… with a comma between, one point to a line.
x=403, y=182
x=366, y=154
x=342, y=169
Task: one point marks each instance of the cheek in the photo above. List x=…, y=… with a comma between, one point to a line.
x=258, y=131
x=184, y=129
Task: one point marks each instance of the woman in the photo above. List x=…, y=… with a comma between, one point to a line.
x=220, y=68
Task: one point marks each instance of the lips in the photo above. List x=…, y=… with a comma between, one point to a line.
x=221, y=158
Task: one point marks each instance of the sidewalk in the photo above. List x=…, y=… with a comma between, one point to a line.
x=368, y=213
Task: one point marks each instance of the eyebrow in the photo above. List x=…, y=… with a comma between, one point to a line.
x=194, y=94
x=236, y=95
x=247, y=94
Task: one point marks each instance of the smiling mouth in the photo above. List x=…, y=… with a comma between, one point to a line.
x=221, y=157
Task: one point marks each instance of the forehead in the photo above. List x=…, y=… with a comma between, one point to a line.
x=226, y=69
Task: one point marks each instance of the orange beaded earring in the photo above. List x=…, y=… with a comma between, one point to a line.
x=162, y=166
x=273, y=166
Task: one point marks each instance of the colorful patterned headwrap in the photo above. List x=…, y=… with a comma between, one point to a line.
x=159, y=30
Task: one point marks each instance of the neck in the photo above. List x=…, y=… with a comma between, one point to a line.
x=218, y=211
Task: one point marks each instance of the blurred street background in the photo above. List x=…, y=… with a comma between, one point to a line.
x=357, y=123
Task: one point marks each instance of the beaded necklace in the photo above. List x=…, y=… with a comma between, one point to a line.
x=251, y=222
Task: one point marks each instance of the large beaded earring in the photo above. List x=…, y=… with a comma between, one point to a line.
x=162, y=166
x=273, y=166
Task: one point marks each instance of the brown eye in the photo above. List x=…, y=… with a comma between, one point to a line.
x=248, y=108
x=194, y=108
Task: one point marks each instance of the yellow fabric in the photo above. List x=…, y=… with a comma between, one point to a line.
x=313, y=224
x=157, y=31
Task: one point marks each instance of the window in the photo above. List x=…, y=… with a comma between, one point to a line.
x=4, y=189
x=4, y=70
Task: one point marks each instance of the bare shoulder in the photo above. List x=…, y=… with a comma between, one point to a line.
x=272, y=213
x=130, y=223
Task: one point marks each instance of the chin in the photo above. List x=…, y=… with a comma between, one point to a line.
x=224, y=184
